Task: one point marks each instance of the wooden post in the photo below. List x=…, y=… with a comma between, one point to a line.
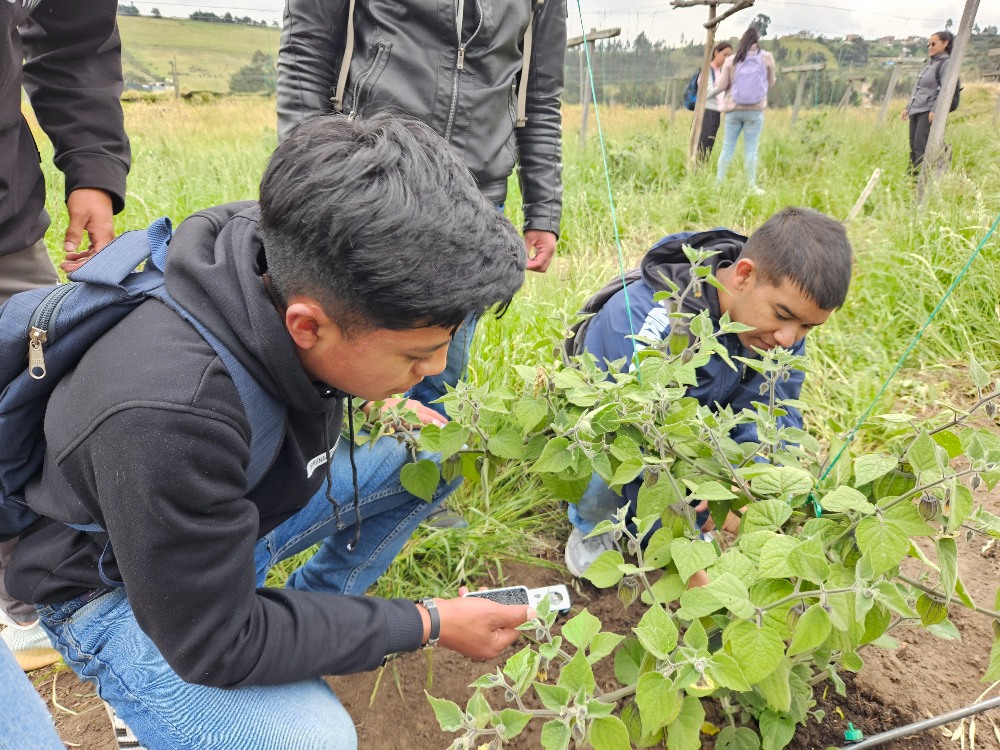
x=864, y=194
x=713, y=21
x=889, y=91
x=801, y=90
x=175, y=77
x=938, y=154
x=995, y=75
x=672, y=95
x=846, y=99
x=585, y=54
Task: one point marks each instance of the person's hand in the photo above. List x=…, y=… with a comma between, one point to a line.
x=425, y=414
x=904, y=114
x=90, y=211
x=540, y=247
x=477, y=628
x=930, y=117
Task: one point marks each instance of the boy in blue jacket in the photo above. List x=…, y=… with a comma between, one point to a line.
x=783, y=281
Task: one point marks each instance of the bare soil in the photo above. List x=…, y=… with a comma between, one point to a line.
x=925, y=676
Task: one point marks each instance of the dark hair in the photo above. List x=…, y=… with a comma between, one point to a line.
x=750, y=37
x=947, y=37
x=721, y=46
x=380, y=221
x=809, y=249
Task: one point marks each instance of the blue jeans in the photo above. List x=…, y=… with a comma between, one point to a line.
x=599, y=503
x=751, y=123
x=432, y=387
x=100, y=639
x=24, y=722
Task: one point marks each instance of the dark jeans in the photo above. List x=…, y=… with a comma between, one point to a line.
x=709, y=129
x=920, y=128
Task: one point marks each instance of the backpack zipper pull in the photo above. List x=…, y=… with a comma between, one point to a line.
x=36, y=357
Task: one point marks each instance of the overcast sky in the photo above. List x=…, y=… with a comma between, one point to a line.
x=870, y=18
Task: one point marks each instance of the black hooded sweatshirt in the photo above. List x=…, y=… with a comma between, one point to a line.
x=148, y=438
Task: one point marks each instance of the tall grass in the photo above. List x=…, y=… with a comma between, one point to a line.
x=188, y=157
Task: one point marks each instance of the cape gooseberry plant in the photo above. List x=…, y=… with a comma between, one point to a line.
x=812, y=577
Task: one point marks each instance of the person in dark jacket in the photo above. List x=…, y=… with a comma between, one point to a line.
x=68, y=57
x=713, y=104
x=920, y=109
x=329, y=287
x=487, y=77
x=784, y=280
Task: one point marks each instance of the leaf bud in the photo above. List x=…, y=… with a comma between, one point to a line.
x=976, y=482
x=991, y=409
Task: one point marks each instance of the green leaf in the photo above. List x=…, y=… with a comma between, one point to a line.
x=605, y=571
x=656, y=497
x=711, y=491
x=980, y=378
x=602, y=645
x=684, y=733
x=695, y=636
x=872, y=466
x=846, y=498
x=894, y=484
x=529, y=411
x=555, y=735
x=993, y=669
x=513, y=722
x=507, y=443
x=961, y=507
x=950, y=442
x=577, y=674
x=609, y=733
x=657, y=632
x=449, y=716
x=774, y=562
x=808, y=561
x=908, y=519
x=811, y=631
x=690, y=556
x=923, y=453
x=724, y=670
x=891, y=597
x=776, y=689
x=758, y=651
x=628, y=659
x=627, y=471
x=555, y=456
x=552, y=697
x=420, y=479
x=776, y=730
x=885, y=543
x=726, y=591
x=947, y=552
x=452, y=439
x=738, y=738
x=784, y=481
x=581, y=629
x=658, y=700
x=767, y=515
x=479, y=709
x=657, y=552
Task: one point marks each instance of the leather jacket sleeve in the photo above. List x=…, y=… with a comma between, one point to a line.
x=312, y=46
x=73, y=76
x=539, y=142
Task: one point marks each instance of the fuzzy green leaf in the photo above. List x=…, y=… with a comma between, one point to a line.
x=420, y=479
x=980, y=378
x=783, y=481
x=555, y=735
x=513, y=722
x=993, y=670
x=691, y=556
x=695, y=636
x=657, y=553
x=811, y=631
x=808, y=561
x=884, y=541
x=908, y=519
x=529, y=411
x=767, y=515
x=725, y=671
x=950, y=442
x=684, y=733
x=507, y=443
x=657, y=632
x=658, y=700
x=627, y=471
x=923, y=453
x=609, y=733
x=603, y=644
x=961, y=507
x=846, y=498
x=758, y=651
x=577, y=674
x=606, y=569
x=711, y=491
x=727, y=591
x=872, y=466
x=655, y=498
x=775, y=730
x=947, y=552
x=552, y=697
x=452, y=439
x=774, y=562
x=449, y=716
x=776, y=689
x=581, y=629
x=555, y=456
x=738, y=738
x=627, y=661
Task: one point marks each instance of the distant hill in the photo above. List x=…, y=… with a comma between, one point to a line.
x=207, y=53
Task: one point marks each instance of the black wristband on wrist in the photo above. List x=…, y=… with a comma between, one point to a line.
x=432, y=612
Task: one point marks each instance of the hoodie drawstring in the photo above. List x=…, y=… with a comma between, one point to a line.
x=352, y=545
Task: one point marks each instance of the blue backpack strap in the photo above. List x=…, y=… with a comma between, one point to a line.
x=129, y=250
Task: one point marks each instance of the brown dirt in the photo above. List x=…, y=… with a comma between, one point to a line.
x=927, y=676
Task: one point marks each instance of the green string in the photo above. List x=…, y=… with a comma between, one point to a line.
x=607, y=181
x=867, y=412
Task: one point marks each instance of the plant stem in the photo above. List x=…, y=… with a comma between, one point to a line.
x=928, y=590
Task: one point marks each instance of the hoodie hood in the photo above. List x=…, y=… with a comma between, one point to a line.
x=210, y=250
x=666, y=259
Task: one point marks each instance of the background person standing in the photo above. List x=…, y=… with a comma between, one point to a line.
x=920, y=109
x=713, y=104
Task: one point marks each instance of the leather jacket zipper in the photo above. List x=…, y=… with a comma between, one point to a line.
x=356, y=107
x=460, y=60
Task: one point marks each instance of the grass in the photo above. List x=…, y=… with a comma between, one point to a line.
x=188, y=157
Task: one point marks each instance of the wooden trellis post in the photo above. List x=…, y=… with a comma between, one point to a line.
x=846, y=98
x=801, y=89
x=897, y=67
x=576, y=41
x=713, y=21
x=672, y=95
x=938, y=154
x=994, y=76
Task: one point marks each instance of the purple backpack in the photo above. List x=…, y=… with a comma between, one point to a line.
x=750, y=80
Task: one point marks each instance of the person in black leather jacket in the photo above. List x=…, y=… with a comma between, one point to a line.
x=920, y=109
x=458, y=68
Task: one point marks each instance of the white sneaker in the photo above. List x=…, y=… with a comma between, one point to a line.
x=30, y=645
x=581, y=551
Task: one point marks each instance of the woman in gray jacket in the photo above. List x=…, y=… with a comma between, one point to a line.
x=920, y=109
